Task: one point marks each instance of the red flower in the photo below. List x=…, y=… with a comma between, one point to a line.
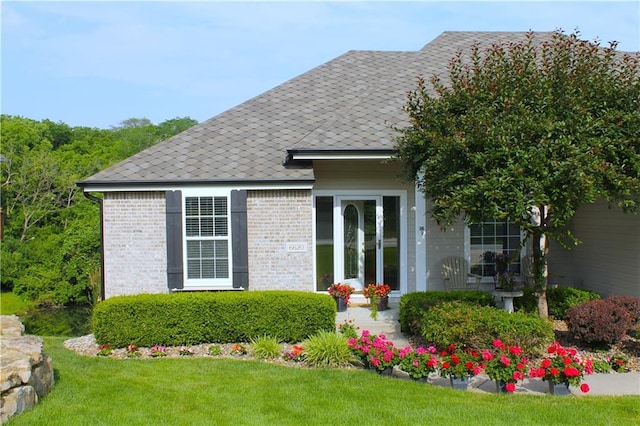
x=554, y=372
x=571, y=372
x=455, y=359
x=584, y=388
x=510, y=387
x=446, y=365
x=546, y=363
x=518, y=375
x=515, y=350
x=505, y=360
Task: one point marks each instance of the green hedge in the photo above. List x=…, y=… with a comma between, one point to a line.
x=220, y=317
x=413, y=305
x=559, y=300
x=478, y=326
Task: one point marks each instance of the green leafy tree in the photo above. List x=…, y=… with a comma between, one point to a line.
x=527, y=132
x=50, y=251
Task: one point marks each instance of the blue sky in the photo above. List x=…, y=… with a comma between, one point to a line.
x=96, y=64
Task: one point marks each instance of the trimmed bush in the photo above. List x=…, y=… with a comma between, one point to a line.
x=212, y=317
x=559, y=299
x=631, y=305
x=413, y=305
x=598, y=321
x=477, y=327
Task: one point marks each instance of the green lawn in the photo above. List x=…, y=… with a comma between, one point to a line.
x=192, y=391
x=11, y=304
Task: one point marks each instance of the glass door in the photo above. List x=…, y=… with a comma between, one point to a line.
x=360, y=236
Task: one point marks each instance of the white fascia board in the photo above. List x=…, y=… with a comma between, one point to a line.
x=173, y=187
x=341, y=156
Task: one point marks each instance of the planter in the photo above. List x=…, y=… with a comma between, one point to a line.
x=560, y=389
x=341, y=304
x=383, y=303
x=386, y=372
x=459, y=383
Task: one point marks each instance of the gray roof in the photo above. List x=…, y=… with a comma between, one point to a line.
x=346, y=104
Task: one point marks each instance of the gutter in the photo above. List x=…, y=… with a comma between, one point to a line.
x=99, y=202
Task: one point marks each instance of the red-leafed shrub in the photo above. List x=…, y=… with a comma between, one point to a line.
x=631, y=305
x=598, y=321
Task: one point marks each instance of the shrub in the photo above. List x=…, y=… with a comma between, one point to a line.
x=598, y=321
x=631, y=305
x=265, y=347
x=477, y=327
x=327, y=349
x=220, y=317
x=559, y=299
x=413, y=305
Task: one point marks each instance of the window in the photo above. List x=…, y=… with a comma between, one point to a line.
x=207, y=238
x=490, y=238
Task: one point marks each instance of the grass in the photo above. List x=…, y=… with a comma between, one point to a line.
x=11, y=304
x=194, y=391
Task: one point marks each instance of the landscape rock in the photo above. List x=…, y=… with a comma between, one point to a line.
x=26, y=371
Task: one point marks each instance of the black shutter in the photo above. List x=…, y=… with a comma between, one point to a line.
x=239, y=243
x=175, y=272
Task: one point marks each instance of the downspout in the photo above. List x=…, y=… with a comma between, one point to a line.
x=99, y=202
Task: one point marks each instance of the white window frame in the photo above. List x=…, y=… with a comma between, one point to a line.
x=467, y=249
x=207, y=283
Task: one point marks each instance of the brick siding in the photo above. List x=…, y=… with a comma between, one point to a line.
x=135, y=243
x=280, y=234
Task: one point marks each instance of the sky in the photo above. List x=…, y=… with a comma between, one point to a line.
x=96, y=64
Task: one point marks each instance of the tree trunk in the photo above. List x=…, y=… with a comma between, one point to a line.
x=539, y=267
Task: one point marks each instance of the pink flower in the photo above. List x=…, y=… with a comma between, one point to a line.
x=515, y=350
x=584, y=388
x=497, y=343
x=588, y=366
x=505, y=360
x=487, y=355
x=510, y=387
x=518, y=375
x=416, y=363
x=432, y=349
x=421, y=350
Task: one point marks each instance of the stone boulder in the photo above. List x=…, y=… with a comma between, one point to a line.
x=26, y=372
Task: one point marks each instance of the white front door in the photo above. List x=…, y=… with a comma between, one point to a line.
x=359, y=235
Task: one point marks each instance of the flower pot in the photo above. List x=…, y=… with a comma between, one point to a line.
x=460, y=383
x=383, y=303
x=560, y=389
x=341, y=304
x=386, y=372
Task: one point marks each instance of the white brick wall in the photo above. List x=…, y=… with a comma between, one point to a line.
x=135, y=243
x=280, y=234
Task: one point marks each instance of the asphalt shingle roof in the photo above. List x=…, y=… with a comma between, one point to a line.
x=347, y=103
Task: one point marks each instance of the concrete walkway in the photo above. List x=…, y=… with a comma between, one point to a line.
x=387, y=323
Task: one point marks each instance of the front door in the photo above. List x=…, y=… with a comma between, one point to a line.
x=359, y=254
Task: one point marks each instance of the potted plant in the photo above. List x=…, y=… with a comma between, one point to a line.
x=506, y=365
x=341, y=293
x=562, y=366
x=375, y=352
x=418, y=363
x=459, y=365
x=378, y=295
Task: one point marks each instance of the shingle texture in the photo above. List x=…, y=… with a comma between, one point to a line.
x=345, y=104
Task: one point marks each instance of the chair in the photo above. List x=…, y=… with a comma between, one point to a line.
x=455, y=272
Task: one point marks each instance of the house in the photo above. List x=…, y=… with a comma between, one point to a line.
x=297, y=188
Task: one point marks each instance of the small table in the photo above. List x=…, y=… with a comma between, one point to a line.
x=507, y=298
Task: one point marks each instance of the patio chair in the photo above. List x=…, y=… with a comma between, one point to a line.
x=456, y=275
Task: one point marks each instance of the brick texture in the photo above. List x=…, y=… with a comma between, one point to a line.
x=280, y=233
x=135, y=243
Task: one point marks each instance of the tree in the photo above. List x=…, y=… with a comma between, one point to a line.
x=527, y=132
